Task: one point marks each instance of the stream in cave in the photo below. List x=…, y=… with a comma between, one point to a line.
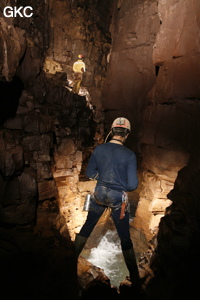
x=108, y=256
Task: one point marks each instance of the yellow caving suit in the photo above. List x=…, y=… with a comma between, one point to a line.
x=78, y=68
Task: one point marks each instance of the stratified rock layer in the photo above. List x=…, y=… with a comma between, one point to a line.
x=173, y=262
x=153, y=79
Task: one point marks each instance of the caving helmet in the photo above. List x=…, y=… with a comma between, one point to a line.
x=80, y=56
x=120, y=126
x=121, y=123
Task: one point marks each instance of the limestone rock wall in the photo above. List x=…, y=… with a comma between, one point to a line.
x=13, y=45
x=81, y=27
x=38, y=150
x=82, y=31
x=171, y=120
x=153, y=79
x=178, y=239
x=46, y=132
x=131, y=73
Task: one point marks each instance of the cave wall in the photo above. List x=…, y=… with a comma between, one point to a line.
x=178, y=240
x=131, y=73
x=153, y=79
x=171, y=120
x=83, y=31
x=81, y=27
x=46, y=131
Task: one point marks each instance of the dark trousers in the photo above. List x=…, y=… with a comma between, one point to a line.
x=108, y=198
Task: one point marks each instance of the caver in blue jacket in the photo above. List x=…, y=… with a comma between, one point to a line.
x=115, y=168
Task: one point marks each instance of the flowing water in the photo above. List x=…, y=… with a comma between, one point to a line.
x=108, y=256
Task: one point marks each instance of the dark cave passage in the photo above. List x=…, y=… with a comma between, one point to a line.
x=10, y=95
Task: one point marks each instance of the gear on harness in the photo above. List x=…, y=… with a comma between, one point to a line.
x=125, y=206
x=86, y=206
x=106, y=205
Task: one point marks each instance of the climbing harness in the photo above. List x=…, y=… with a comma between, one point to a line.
x=124, y=206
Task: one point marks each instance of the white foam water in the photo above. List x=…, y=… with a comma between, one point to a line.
x=108, y=256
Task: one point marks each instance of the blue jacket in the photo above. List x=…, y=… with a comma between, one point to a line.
x=113, y=166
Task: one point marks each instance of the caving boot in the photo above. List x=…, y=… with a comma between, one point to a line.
x=130, y=260
x=79, y=244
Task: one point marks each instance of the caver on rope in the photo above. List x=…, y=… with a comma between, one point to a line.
x=115, y=168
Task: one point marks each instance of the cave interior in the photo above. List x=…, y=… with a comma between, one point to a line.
x=142, y=62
